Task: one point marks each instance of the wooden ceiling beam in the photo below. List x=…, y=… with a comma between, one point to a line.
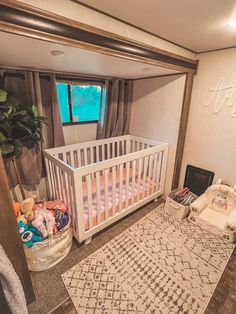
x=29, y=21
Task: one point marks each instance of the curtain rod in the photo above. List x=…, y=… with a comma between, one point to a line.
x=75, y=75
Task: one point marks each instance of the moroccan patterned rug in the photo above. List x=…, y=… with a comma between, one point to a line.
x=158, y=265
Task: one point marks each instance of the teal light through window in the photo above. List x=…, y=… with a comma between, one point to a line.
x=63, y=99
x=79, y=103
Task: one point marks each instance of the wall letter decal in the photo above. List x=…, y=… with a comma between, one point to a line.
x=221, y=95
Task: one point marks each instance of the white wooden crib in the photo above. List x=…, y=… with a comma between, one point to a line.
x=102, y=181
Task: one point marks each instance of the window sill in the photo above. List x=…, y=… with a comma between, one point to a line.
x=79, y=123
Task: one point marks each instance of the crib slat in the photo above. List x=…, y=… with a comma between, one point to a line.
x=79, y=158
x=127, y=165
x=125, y=147
x=72, y=201
x=49, y=177
x=133, y=179
x=66, y=185
x=140, y=165
x=158, y=171
x=64, y=157
x=118, y=148
x=121, y=185
x=73, y=159
x=89, y=195
x=98, y=193
x=62, y=179
x=92, y=159
x=154, y=173
x=144, y=175
x=92, y=155
x=86, y=156
x=59, y=190
x=97, y=153
x=103, y=152
x=106, y=191
x=54, y=180
x=149, y=174
x=113, y=191
x=122, y=147
x=131, y=146
x=108, y=150
x=65, y=195
x=113, y=150
x=161, y=168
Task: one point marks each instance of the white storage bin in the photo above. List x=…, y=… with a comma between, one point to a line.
x=46, y=254
x=176, y=209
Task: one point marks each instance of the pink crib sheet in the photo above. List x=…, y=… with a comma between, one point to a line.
x=132, y=197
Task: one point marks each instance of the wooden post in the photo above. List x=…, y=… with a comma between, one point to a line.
x=10, y=237
x=182, y=129
x=18, y=178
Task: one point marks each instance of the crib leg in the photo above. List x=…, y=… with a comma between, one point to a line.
x=87, y=241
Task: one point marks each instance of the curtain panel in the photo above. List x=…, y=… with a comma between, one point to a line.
x=41, y=92
x=115, y=117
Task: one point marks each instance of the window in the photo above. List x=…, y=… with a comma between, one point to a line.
x=80, y=102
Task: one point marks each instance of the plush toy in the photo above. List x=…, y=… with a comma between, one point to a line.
x=16, y=207
x=22, y=218
x=61, y=218
x=44, y=221
x=29, y=234
x=39, y=216
x=219, y=202
x=27, y=208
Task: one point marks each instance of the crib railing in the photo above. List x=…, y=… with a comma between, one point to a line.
x=83, y=154
x=118, y=175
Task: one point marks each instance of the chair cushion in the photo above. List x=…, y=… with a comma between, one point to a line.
x=214, y=217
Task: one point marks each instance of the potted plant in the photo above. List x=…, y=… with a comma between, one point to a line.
x=20, y=126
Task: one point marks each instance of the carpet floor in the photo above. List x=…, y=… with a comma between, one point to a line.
x=48, y=286
x=157, y=265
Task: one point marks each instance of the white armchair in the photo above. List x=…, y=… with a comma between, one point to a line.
x=215, y=210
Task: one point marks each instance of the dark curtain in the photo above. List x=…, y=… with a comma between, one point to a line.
x=41, y=92
x=115, y=117
x=48, y=106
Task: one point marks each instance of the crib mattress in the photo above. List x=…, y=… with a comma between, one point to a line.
x=145, y=189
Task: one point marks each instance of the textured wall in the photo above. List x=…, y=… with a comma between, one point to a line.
x=156, y=114
x=211, y=134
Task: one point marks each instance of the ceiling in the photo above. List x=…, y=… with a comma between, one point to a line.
x=19, y=51
x=199, y=25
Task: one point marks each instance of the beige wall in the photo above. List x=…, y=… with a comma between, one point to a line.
x=90, y=17
x=80, y=133
x=211, y=134
x=156, y=114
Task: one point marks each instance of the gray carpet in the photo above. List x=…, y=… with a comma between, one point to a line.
x=158, y=265
x=48, y=285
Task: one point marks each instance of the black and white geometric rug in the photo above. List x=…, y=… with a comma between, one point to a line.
x=158, y=265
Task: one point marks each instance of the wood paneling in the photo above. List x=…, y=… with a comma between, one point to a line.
x=182, y=129
x=10, y=237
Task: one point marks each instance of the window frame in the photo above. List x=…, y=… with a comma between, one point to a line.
x=70, y=82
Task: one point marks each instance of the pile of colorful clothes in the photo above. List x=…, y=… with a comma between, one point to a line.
x=40, y=220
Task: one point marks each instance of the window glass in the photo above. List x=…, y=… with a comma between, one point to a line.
x=86, y=101
x=80, y=102
x=62, y=93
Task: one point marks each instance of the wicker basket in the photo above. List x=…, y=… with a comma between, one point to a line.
x=176, y=209
x=46, y=254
